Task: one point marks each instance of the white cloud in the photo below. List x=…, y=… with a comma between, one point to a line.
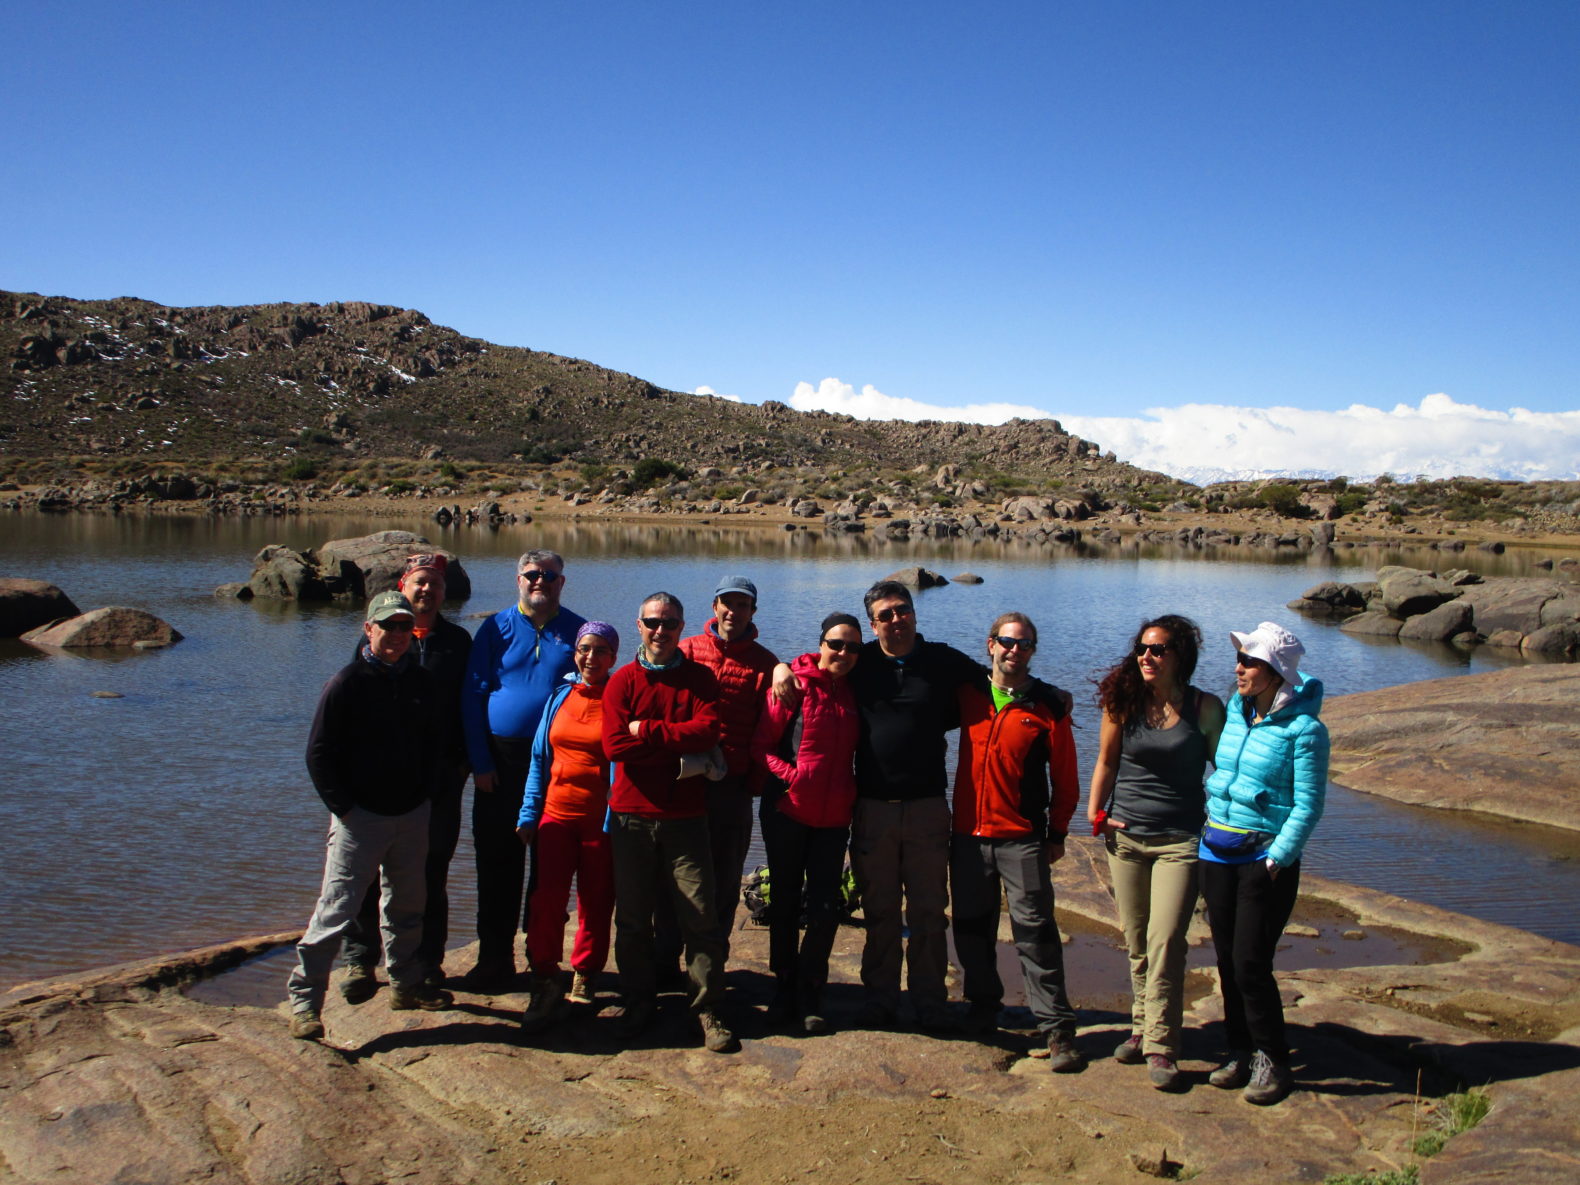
x=872, y=404
x=716, y=395
x=1211, y=442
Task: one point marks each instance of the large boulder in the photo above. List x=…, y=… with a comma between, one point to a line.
x=1407, y=592
x=1331, y=598
x=286, y=575
x=917, y=578
x=1553, y=642
x=373, y=563
x=27, y=604
x=1514, y=602
x=1373, y=623
x=1448, y=620
x=116, y=625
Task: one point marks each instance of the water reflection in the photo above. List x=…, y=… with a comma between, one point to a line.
x=181, y=814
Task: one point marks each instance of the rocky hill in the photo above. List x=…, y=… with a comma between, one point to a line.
x=132, y=379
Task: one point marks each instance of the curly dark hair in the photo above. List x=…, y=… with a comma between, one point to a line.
x=1122, y=693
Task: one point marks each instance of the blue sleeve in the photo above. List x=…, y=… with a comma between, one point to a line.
x=542, y=763
x=1310, y=792
x=481, y=667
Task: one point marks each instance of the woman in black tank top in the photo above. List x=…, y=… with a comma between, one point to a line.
x=1147, y=803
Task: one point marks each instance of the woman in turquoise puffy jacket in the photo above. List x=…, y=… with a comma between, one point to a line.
x=1263, y=799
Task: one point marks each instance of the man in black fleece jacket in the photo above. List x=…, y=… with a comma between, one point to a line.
x=373, y=754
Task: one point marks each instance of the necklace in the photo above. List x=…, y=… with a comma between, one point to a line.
x=1159, y=716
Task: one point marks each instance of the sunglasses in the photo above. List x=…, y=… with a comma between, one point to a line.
x=888, y=615
x=1242, y=659
x=654, y=624
x=396, y=625
x=533, y=575
x=1155, y=649
x=588, y=650
x=1025, y=644
x=840, y=645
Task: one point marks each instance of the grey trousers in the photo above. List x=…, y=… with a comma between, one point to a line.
x=899, y=852
x=977, y=868
x=359, y=846
x=664, y=857
x=729, y=837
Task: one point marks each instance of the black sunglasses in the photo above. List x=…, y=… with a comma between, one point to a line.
x=1025, y=644
x=840, y=645
x=396, y=625
x=888, y=615
x=1155, y=649
x=654, y=624
x=1242, y=659
x=533, y=575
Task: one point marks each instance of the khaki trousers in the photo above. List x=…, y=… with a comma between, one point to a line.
x=1155, y=889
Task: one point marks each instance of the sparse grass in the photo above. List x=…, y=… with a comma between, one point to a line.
x=1409, y=1175
x=1453, y=1114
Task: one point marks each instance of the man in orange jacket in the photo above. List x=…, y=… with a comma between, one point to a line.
x=1015, y=789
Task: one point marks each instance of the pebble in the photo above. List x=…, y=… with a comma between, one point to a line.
x=1300, y=931
x=107, y=695
x=1353, y=935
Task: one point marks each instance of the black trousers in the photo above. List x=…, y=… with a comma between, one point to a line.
x=501, y=856
x=815, y=857
x=363, y=945
x=1247, y=911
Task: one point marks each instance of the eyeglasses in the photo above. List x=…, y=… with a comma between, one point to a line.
x=588, y=651
x=888, y=615
x=1025, y=644
x=840, y=645
x=533, y=575
x=654, y=624
x=396, y=625
x=1155, y=649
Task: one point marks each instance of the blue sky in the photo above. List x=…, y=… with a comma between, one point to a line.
x=1106, y=213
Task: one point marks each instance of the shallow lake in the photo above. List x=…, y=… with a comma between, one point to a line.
x=180, y=814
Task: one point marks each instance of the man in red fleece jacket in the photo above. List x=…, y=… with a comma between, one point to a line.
x=656, y=710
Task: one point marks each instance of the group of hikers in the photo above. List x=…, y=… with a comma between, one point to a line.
x=637, y=782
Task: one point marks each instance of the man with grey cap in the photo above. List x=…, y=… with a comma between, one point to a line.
x=744, y=668
x=373, y=754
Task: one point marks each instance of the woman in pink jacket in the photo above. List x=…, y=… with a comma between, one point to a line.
x=810, y=752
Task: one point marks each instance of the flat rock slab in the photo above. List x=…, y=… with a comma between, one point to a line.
x=1506, y=743
x=120, y=1076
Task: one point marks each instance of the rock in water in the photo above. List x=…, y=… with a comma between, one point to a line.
x=27, y=604
x=114, y=626
x=917, y=578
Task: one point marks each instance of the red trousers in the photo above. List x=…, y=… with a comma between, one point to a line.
x=565, y=848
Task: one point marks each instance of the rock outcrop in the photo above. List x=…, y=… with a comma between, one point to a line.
x=345, y=569
x=1504, y=743
x=113, y=627
x=27, y=604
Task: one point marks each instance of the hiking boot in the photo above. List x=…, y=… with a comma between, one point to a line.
x=982, y=1020
x=874, y=1015
x=1128, y=1051
x=490, y=977
x=716, y=1038
x=359, y=984
x=543, y=1001
x=1164, y=1073
x=635, y=1017
x=581, y=990
x=420, y=998
x=781, y=1009
x=814, y=1024
x=1234, y=1073
x=1063, y=1056
x=306, y=1025
x=1270, y=1082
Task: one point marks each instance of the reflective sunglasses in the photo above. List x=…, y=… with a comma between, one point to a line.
x=654, y=624
x=888, y=615
x=1025, y=644
x=533, y=575
x=840, y=645
x=1155, y=649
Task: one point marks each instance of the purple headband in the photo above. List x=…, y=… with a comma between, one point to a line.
x=604, y=630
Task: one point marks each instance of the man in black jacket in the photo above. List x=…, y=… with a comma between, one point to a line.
x=373, y=757
x=440, y=647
